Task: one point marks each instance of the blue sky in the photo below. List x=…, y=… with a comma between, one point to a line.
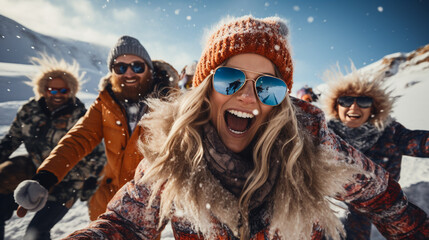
x=323, y=33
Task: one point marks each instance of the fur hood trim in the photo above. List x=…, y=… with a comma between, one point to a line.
x=359, y=84
x=48, y=68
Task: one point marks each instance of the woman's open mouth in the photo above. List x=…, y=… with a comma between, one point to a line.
x=238, y=122
x=353, y=116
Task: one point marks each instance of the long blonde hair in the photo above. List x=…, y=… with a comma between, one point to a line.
x=173, y=149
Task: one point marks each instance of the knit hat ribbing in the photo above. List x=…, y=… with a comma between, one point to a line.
x=128, y=45
x=267, y=37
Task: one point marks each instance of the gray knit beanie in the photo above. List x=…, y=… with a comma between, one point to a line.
x=128, y=45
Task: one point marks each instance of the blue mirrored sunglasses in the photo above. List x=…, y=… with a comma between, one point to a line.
x=136, y=67
x=54, y=91
x=270, y=90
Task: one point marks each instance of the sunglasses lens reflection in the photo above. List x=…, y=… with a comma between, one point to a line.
x=270, y=90
x=136, y=67
x=227, y=80
x=55, y=91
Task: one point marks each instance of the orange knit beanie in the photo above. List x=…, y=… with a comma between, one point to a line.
x=267, y=37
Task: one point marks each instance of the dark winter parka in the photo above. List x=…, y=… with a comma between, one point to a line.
x=40, y=130
x=381, y=138
x=394, y=142
x=130, y=215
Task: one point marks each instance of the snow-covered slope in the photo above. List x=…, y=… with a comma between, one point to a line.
x=18, y=43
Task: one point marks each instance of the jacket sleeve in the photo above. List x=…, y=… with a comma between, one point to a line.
x=377, y=196
x=79, y=141
x=412, y=142
x=94, y=162
x=13, y=139
x=128, y=215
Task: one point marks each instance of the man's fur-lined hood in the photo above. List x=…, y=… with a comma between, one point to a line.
x=356, y=83
x=198, y=196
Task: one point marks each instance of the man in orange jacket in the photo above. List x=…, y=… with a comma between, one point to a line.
x=114, y=117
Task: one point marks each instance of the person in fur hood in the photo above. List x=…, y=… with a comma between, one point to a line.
x=236, y=157
x=113, y=117
x=359, y=111
x=39, y=125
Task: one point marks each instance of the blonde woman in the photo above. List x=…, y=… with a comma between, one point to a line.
x=237, y=158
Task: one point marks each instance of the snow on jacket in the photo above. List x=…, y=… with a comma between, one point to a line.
x=40, y=131
x=130, y=216
x=104, y=119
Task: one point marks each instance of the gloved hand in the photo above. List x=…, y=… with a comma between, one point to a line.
x=31, y=195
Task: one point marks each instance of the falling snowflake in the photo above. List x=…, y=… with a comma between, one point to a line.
x=296, y=8
x=177, y=11
x=310, y=19
x=188, y=18
x=380, y=8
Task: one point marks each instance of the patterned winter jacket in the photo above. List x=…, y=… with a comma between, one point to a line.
x=40, y=131
x=387, y=151
x=395, y=142
x=130, y=216
x=106, y=120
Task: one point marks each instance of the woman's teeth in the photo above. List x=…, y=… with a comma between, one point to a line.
x=241, y=114
x=238, y=122
x=353, y=115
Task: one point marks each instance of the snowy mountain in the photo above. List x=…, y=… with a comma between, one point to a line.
x=18, y=43
x=407, y=74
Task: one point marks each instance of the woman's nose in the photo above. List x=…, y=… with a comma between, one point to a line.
x=247, y=94
x=354, y=105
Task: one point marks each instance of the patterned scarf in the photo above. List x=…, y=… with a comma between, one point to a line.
x=232, y=170
x=135, y=111
x=362, y=138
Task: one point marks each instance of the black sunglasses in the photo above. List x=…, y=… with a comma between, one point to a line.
x=136, y=67
x=270, y=90
x=362, y=102
x=55, y=91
